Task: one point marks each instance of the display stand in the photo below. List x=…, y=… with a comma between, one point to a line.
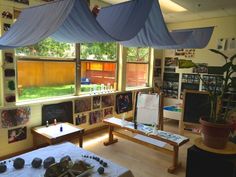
x=206, y=162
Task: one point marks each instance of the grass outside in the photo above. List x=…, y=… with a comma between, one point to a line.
x=51, y=91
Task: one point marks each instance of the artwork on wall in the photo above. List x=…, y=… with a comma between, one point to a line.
x=7, y=15
x=62, y=112
x=6, y=26
x=83, y=105
x=22, y=1
x=14, y=117
x=201, y=68
x=8, y=57
x=108, y=111
x=96, y=102
x=187, y=53
x=171, y=61
x=10, y=98
x=169, y=70
x=17, y=134
x=189, y=82
x=157, y=73
x=171, y=85
x=107, y=101
x=230, y=44
x=213, y=82
x=80, y=119
x=9, y=72
x=124, y=102
x=95, y=117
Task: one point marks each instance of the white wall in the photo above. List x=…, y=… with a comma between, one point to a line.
x=224, y=28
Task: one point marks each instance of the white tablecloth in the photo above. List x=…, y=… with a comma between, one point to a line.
x=58, y=151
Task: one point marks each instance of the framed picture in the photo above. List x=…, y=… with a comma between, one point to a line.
x=14, y=117
x=95, y=117
x=124, y=102
x=96, y=102
x=83, y=105
x=108, y=111
x=17, y=134
x=80, y=119
x=107, y=101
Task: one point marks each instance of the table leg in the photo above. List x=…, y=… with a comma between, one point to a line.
x=81, y=141
x=111, y=139
x=175, y=163
x=35, y=144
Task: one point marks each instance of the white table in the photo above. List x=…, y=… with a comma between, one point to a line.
x=59, y=151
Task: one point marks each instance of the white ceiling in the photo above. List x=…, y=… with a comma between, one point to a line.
x=196, y=9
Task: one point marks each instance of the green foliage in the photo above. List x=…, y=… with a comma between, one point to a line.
x=137, y=54
x=47, y=48
x=98, y=51
x=228, y=69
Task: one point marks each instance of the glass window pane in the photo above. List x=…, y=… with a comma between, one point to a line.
x=137, y=54
x=97, y=76
x=40, y=79
x=136, y=75
x=98, y=51
x=48, y=48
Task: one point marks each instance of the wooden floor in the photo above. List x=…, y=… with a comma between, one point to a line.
x=142, y=161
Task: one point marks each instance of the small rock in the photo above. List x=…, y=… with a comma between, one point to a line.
x=100, y=170
x=48, y=161
x=36, y=162
x=3, y=168
x=19, y=163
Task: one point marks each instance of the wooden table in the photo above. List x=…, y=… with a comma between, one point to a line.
x=53, y=134
x=174, y=140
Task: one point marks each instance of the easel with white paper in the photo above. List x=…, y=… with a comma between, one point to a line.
x=149, y=110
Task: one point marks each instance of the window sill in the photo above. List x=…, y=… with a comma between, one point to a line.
x=73, y=97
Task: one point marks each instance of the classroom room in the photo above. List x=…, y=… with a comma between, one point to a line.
x=117, y=88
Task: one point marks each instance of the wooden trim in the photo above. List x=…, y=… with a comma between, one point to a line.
x=167, y=151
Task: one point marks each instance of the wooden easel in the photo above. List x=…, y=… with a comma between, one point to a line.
x=160, y=113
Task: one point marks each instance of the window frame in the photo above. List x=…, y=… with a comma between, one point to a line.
x=149, y=66
x=116, y=61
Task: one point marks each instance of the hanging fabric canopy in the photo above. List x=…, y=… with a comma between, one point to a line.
x=137, y=23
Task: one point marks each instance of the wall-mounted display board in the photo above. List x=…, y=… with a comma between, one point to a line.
x=171, y=85
x=189, y=82
x=62, y=112
x=212, y=82
x=124, y=102
x=8, y=61
x=195, y=105
x=157, y=73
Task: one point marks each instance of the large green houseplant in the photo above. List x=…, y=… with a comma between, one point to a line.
x=216, y=126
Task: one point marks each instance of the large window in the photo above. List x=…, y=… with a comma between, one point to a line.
x=137, y=67
x=46, y=69
x=98, y=66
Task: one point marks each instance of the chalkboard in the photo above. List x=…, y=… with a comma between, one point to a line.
x=196, y=104
x=62, y=112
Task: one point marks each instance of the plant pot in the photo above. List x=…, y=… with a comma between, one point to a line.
x=215, y=135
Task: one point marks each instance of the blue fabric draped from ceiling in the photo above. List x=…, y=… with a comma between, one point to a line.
x=136, y=23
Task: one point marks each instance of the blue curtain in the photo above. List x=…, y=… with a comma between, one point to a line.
x=136, y=23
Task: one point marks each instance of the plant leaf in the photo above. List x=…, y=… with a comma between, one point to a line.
x=220, y=53
x=234, y=68
x=226, y=66
x=232, y=58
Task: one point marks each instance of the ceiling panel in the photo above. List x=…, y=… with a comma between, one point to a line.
x=197, y=9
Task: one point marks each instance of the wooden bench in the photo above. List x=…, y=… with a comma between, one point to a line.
x=174, y=140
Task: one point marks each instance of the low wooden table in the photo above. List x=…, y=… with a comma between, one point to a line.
x=53, y=134
x=174, y=140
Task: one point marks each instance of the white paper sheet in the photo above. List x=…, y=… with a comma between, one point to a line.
x=150, y=140
x=148, y=109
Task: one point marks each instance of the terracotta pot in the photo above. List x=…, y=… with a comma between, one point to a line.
x=215, y=135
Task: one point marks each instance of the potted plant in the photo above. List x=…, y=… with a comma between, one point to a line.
x=216, y=127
